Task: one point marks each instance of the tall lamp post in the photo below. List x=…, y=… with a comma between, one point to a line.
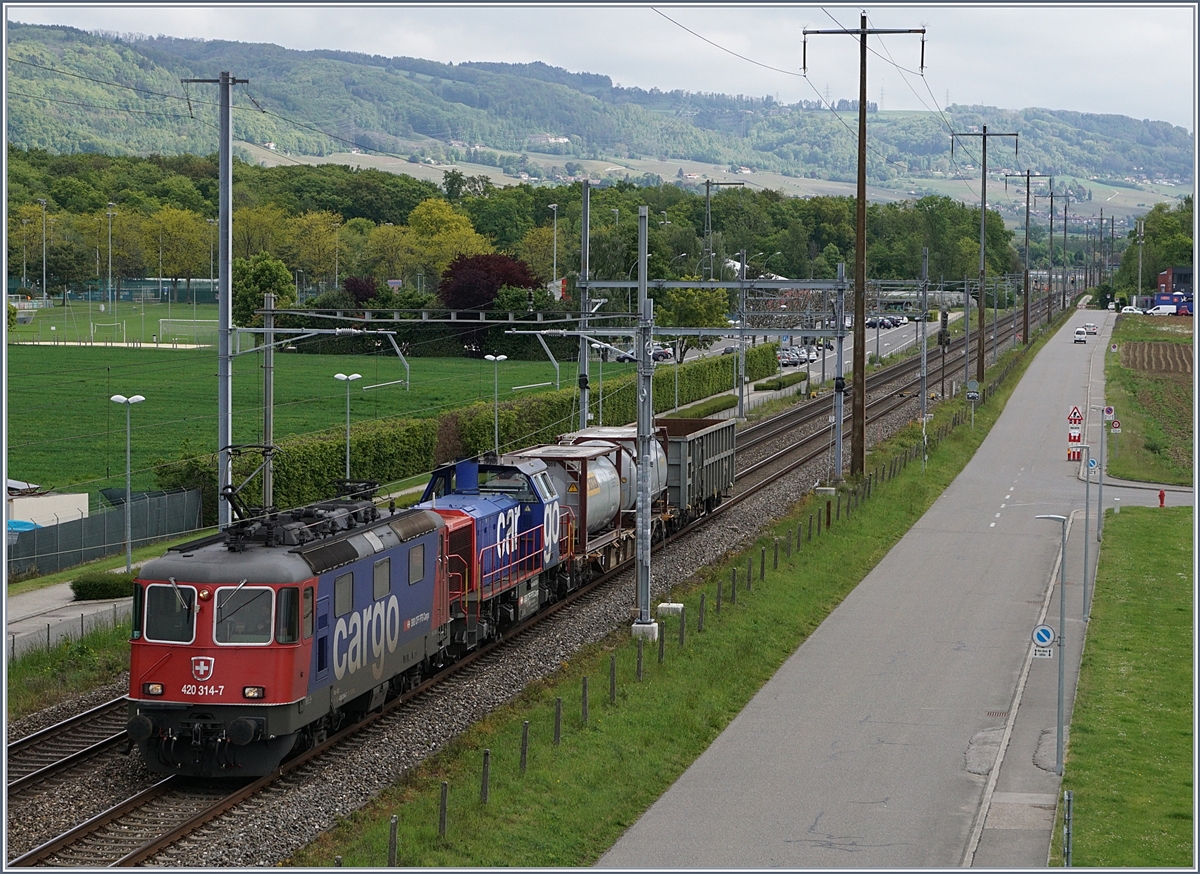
x=496, y=359
x=1062, y=627
x=128, y=402
x=24, y=240
x=553, y=207
x=347, y=379
x=110, y=213
x=212, y=223
x=42, y=201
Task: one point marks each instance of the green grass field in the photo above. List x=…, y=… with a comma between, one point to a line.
x=63, y=431
x=1132, y=751
x=1155, y=408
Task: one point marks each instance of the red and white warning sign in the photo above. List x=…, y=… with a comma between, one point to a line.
x=1075, y=434
x=1074, y=454
x=1116, y=426
x=1075, y=417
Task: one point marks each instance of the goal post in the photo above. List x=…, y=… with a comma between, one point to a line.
x=196, y=332
x=108, y=332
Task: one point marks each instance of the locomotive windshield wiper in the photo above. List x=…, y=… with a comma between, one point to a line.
x=178, y=594
x=221, y=606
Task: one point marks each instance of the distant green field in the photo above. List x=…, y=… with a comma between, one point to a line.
x=64, y=432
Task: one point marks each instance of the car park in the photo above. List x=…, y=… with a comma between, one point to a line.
x=1080, y=335
x=1090, y=328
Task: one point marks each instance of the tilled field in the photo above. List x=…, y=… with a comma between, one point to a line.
x=1157, y=357
x=268, y=829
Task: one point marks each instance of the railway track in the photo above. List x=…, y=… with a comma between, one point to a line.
x=74, y=742
x=132, y=832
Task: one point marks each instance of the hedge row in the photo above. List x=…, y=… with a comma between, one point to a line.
x=704, y=409
x=102, y=585
x=387, y=450
x=781, y=381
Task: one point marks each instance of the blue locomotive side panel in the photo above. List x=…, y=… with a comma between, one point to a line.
x=375, y=616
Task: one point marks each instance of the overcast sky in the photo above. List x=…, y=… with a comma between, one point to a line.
x=1130, y=59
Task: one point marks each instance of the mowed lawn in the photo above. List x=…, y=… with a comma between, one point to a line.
x=64, y=432
x=1132, y=749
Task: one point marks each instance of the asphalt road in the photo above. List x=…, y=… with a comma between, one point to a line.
x=875, y=745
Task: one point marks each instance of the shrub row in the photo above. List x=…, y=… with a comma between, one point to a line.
x=387, y=450
x=781, y=382
x=704, y=409
x=102, y=585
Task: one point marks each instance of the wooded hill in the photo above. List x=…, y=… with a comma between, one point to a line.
x=72, y=91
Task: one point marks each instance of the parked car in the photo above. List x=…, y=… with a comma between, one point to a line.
x=1091, y=329
x=662, y=355
x=729, y=350
x=1163, y=309
x=626, y=357
x=1080, y=335
x=1131, y=311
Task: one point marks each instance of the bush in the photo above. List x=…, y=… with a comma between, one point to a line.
x=780, y=382
x=102, y=585
x=704, y=409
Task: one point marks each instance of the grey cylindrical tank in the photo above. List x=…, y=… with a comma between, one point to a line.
x=603, y=492
x=622, y=455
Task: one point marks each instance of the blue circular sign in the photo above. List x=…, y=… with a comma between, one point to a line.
x=1092, y=464
x=1043, y=635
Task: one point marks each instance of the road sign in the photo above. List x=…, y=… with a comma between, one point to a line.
x=1074, y=433
x=1109, y=412
x=1092, y=464
x=972, y=385
x=972, y=395
x=1075, y=417
x=1043, y=635
x=1116, y=426
x=1040, y=653
x=1112, y=348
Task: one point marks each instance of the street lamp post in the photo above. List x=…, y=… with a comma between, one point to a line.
x=24, y=240
x=212, y=223
x=347, y=379
x=110, y=213
x=42, y=201
x=1062, y=627
x=496, y=359
x=128, y=402
x=553, y=207
x=599, y=347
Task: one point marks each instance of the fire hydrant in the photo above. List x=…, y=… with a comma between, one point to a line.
x=1162, y=498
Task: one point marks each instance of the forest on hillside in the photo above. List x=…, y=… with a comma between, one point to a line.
x=72, y=91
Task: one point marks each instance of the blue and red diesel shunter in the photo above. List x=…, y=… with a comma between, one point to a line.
x=270, y=636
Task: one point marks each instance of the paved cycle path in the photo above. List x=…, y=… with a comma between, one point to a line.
x=878, y=743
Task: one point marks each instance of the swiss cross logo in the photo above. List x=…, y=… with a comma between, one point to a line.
x=202, y=667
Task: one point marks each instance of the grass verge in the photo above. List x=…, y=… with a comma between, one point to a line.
x=41, y=678
x=1155, y=408
x=1131, y=755
x=574, y=800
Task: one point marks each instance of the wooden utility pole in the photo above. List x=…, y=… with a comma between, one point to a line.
x=858, y=413
x=1028, y=175
x=979, y=358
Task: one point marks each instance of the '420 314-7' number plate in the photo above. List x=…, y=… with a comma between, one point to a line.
x=193, y=689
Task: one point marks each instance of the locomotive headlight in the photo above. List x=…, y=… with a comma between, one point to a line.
x=254, y=692
x=152, y=688
x=205, y=594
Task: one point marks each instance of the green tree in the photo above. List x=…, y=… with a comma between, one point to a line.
x=692, y=308
x=262, y=274
x=12, y=317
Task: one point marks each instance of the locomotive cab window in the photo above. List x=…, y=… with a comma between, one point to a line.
x=170, y=613
x=243, y=615
x=287, y=616
x=416, y=564
x=508, y=482
x=383, y=578
x=308, y=612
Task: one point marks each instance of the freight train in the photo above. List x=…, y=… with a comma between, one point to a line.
x=287, y=626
